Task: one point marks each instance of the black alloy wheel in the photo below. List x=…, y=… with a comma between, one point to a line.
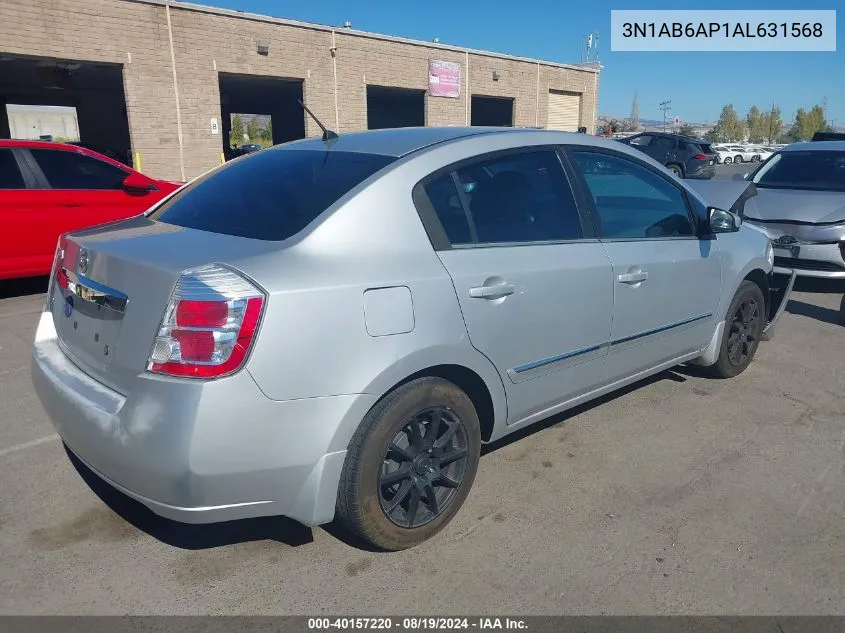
x=744, y=333
x=424, y=466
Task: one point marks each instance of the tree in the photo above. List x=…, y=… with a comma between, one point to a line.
x=729, y=127
x=236, y=134
x=754, y=121
x=808, y=123
x=634, y=121
x=252, y=130
x=771, y=124
x=610, y=127
x=267, y=132
x=686, y=129
x=712, y=135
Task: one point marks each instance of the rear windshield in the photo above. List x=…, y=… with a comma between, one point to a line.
x=821, y=171
x=269, y=195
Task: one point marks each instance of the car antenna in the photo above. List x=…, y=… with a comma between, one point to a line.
x=328, y=135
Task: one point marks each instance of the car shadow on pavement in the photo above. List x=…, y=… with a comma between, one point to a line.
x=820, y=313
x=22, y=287
x=675, y=375
x=187, y=536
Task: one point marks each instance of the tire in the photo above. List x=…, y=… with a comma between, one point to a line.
x=676, y=169
x=842, y=311
x=728, y=160
x=738, y=159
x=736, y=355
x=386, y=461
x=755, y=159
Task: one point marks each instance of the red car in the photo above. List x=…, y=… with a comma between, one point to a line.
x=47, y=189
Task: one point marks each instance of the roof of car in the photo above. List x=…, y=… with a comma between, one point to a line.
x=398, y=141
x=38, y=144
x=815, y=146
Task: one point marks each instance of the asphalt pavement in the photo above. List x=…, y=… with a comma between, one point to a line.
x=681, y=494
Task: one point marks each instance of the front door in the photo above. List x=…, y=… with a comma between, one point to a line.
x=535, y=289
x=666, y=280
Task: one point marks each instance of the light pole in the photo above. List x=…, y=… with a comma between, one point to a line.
x=665, y=106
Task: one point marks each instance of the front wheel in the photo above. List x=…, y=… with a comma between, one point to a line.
x=738, y=159
x=728, y=160
x=410, y=464
x=743, y=330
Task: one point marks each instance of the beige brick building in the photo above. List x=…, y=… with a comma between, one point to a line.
x=165, y=76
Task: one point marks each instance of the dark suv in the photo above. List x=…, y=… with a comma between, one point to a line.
x=686, y=156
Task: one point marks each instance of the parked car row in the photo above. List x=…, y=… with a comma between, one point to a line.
x=742, y=153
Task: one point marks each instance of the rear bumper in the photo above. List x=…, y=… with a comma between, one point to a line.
x=200, y=452
x=703, y=172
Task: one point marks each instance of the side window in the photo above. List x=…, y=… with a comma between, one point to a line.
x=10, y=173
x=663, y=142
x=522, y=197
x=71, y=170
x=632, y=201
x=641, y=141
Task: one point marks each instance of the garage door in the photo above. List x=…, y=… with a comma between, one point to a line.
x=564, y=110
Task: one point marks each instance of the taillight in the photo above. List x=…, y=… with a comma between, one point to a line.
x=700, y=157
x=57, y=272
x=209, y=326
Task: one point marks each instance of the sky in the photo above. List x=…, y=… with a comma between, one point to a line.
x=698, y=83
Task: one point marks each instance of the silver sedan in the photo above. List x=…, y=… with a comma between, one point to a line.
x=333, y=328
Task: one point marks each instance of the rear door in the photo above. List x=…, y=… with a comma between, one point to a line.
x=534, y=286
x=76, y=191
x=667, y=278
x=664, y=149
x=18, y=215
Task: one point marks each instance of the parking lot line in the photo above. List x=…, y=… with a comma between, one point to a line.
x=30, y=444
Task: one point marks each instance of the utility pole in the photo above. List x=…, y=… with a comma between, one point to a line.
x=665, y=106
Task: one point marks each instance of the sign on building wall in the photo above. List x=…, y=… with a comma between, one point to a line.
x=444, y=78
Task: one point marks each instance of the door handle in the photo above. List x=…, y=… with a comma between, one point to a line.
x=495, y=291
x=632, y=278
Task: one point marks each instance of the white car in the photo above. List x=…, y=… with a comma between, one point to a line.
x=723, y=155
x=761, y=154
x=739, y=154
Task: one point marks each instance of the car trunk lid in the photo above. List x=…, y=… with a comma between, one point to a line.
x=112, y=286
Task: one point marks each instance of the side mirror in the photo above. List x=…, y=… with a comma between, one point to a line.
x=136, y=184
x=739, y=176
x=722, y=221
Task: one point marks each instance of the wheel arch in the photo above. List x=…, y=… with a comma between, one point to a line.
x=470, y=370
x=760, y=278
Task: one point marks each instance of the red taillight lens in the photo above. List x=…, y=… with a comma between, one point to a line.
x=207, y=338
x=202, y=313
x=700, y=157
x=62, y=278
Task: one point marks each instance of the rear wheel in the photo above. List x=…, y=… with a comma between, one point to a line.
x=728, y=160
x=738, y=158
x=743, y=330
x=677, y=170
x=410, y=464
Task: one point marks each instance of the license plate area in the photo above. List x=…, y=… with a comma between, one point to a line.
x=88, y=322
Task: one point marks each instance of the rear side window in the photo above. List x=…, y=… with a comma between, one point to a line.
x=522, y=197
x=270, y=195
x=10, y=173
x=71, y=170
